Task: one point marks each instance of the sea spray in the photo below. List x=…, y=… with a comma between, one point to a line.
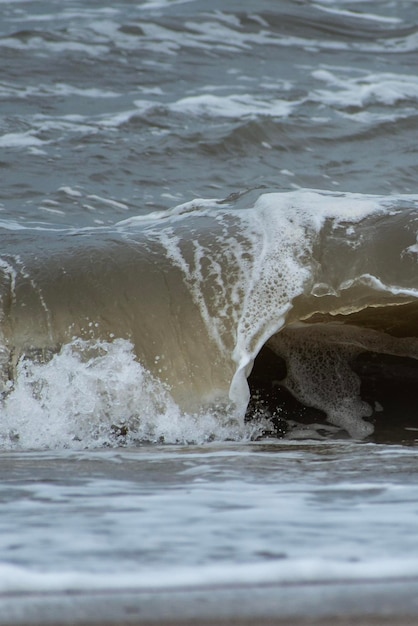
x=96, y=393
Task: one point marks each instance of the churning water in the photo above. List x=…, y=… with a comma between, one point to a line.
x=208, y=293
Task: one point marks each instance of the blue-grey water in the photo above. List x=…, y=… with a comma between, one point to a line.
x=112, y=110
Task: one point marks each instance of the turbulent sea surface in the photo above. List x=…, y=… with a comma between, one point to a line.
x=208, y=294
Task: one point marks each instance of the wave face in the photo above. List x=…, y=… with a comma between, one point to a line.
x=150, y=330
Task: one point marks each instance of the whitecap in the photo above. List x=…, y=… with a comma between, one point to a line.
x=232, y=106
x=20, y=140
x=366, y=89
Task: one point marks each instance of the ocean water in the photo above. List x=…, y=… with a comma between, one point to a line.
x=208, y=294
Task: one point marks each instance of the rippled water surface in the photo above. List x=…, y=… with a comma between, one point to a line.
x=175, y=516
x=111, y=109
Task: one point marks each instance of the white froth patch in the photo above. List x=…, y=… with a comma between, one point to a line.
x=232, y=106
x=55, y=89
x=200, y=206
x=42, y=47
x=18, y=579
x=380, y=88
x=210, y=105
x=283, y=228
x=318, y=360
x=161, y=4
x=377, y=285
x=69, y=191
x=91, y=392
x=109, y=202
x=20, y=140
x=359, y=15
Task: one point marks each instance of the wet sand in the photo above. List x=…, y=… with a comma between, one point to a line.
x=360, y=603
x=335, y=621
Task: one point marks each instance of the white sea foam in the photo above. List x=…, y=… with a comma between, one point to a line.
x=343, y=92
x=199, y=206
x=360, y=91
x=89, y=393
x=358, y=15
x=161, y=4
x=11, y=225
x=232, y=106
x=40, y=46
x=72, y=123
x=20, y=140
x=319, y=374
x=15, y=579
x=69, y=191
x=43, y=124
x=109, y=202
x=156, y=517
x=284, y=227
x=57, y=89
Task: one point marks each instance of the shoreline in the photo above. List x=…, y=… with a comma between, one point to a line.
x=332, y=621
x=359, y=603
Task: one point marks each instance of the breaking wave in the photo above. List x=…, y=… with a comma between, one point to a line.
x=291, y=314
